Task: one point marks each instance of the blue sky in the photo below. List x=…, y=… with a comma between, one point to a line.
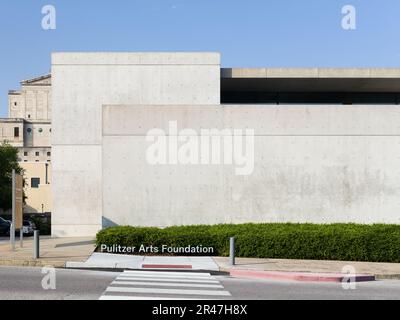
x=251, y=33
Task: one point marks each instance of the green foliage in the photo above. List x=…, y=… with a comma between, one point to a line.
x=346, y=242
x=42, y=224
x=8, y=162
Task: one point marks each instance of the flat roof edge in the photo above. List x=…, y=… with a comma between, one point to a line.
x=311, y=73
x=136, y=58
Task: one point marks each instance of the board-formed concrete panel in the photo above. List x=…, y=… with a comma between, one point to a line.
x=75, y=208
x=136, y=58
x=84, y=82
x=316, y=163
x=319, y=120
x=319, y=164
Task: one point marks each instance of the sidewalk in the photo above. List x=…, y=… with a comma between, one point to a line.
x=53, y=251
x=311, y=269
x=79, y=253
x=299, y=270
x=119, y=261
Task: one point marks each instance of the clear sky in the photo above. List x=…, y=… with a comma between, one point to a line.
x=251, y=33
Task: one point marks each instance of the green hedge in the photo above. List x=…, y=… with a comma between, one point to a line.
x=346, y=242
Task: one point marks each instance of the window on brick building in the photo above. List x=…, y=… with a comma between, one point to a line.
x=35, y=182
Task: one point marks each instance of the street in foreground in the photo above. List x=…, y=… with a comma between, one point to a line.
x=26, y=283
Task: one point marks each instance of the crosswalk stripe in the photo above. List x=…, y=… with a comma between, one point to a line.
x=168, y=291
x=144, y=275
x=167, y=284
x=167, y=280
x=156, y=285
x=119, y=298
x=197, y=274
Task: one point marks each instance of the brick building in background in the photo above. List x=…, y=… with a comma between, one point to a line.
x=28, y=128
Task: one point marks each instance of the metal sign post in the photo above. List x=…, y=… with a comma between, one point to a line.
x=36, y=245
x=232, y=251
x=21, y=237
x=17, y=208
x=12, y=227
x=12, y=237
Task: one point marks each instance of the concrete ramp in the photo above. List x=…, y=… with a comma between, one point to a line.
x=118, y=261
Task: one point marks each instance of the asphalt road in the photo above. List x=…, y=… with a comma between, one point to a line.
x=26, y=283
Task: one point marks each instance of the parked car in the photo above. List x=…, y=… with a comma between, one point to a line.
x=4, y=227
x=28, y=228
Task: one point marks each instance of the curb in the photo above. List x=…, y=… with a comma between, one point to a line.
x=299, y=276
x=387, y=276
x=32, y=263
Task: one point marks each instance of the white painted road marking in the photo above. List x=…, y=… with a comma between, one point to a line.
x=167, y=284
x=157, y=285
x=169, y=291
x=195, y=274
x=119, y=298
x=168, y=280
x=169, y=277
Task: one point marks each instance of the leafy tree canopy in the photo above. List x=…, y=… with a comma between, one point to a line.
x=8, y=162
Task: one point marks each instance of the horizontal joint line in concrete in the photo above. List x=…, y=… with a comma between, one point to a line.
x=137, y=64
x=268, y=135
x=76, y=145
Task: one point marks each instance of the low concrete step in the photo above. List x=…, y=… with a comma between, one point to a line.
x=167, y=266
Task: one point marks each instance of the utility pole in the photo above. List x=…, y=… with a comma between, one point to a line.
x=12, y=228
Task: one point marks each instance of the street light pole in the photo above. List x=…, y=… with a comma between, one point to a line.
x=12, y=227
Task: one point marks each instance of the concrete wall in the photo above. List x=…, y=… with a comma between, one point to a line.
x=320, y=164
x=82, y=83
x=317, y=164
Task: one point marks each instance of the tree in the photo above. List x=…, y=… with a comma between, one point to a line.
x=8, y=162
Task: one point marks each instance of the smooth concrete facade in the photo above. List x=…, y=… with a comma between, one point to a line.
x=317, y=164
x=82, y=84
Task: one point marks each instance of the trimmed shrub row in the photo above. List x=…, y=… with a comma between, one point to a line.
x=346, y=242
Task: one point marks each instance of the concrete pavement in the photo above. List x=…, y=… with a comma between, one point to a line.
x=120, y=261
x=53, y=251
